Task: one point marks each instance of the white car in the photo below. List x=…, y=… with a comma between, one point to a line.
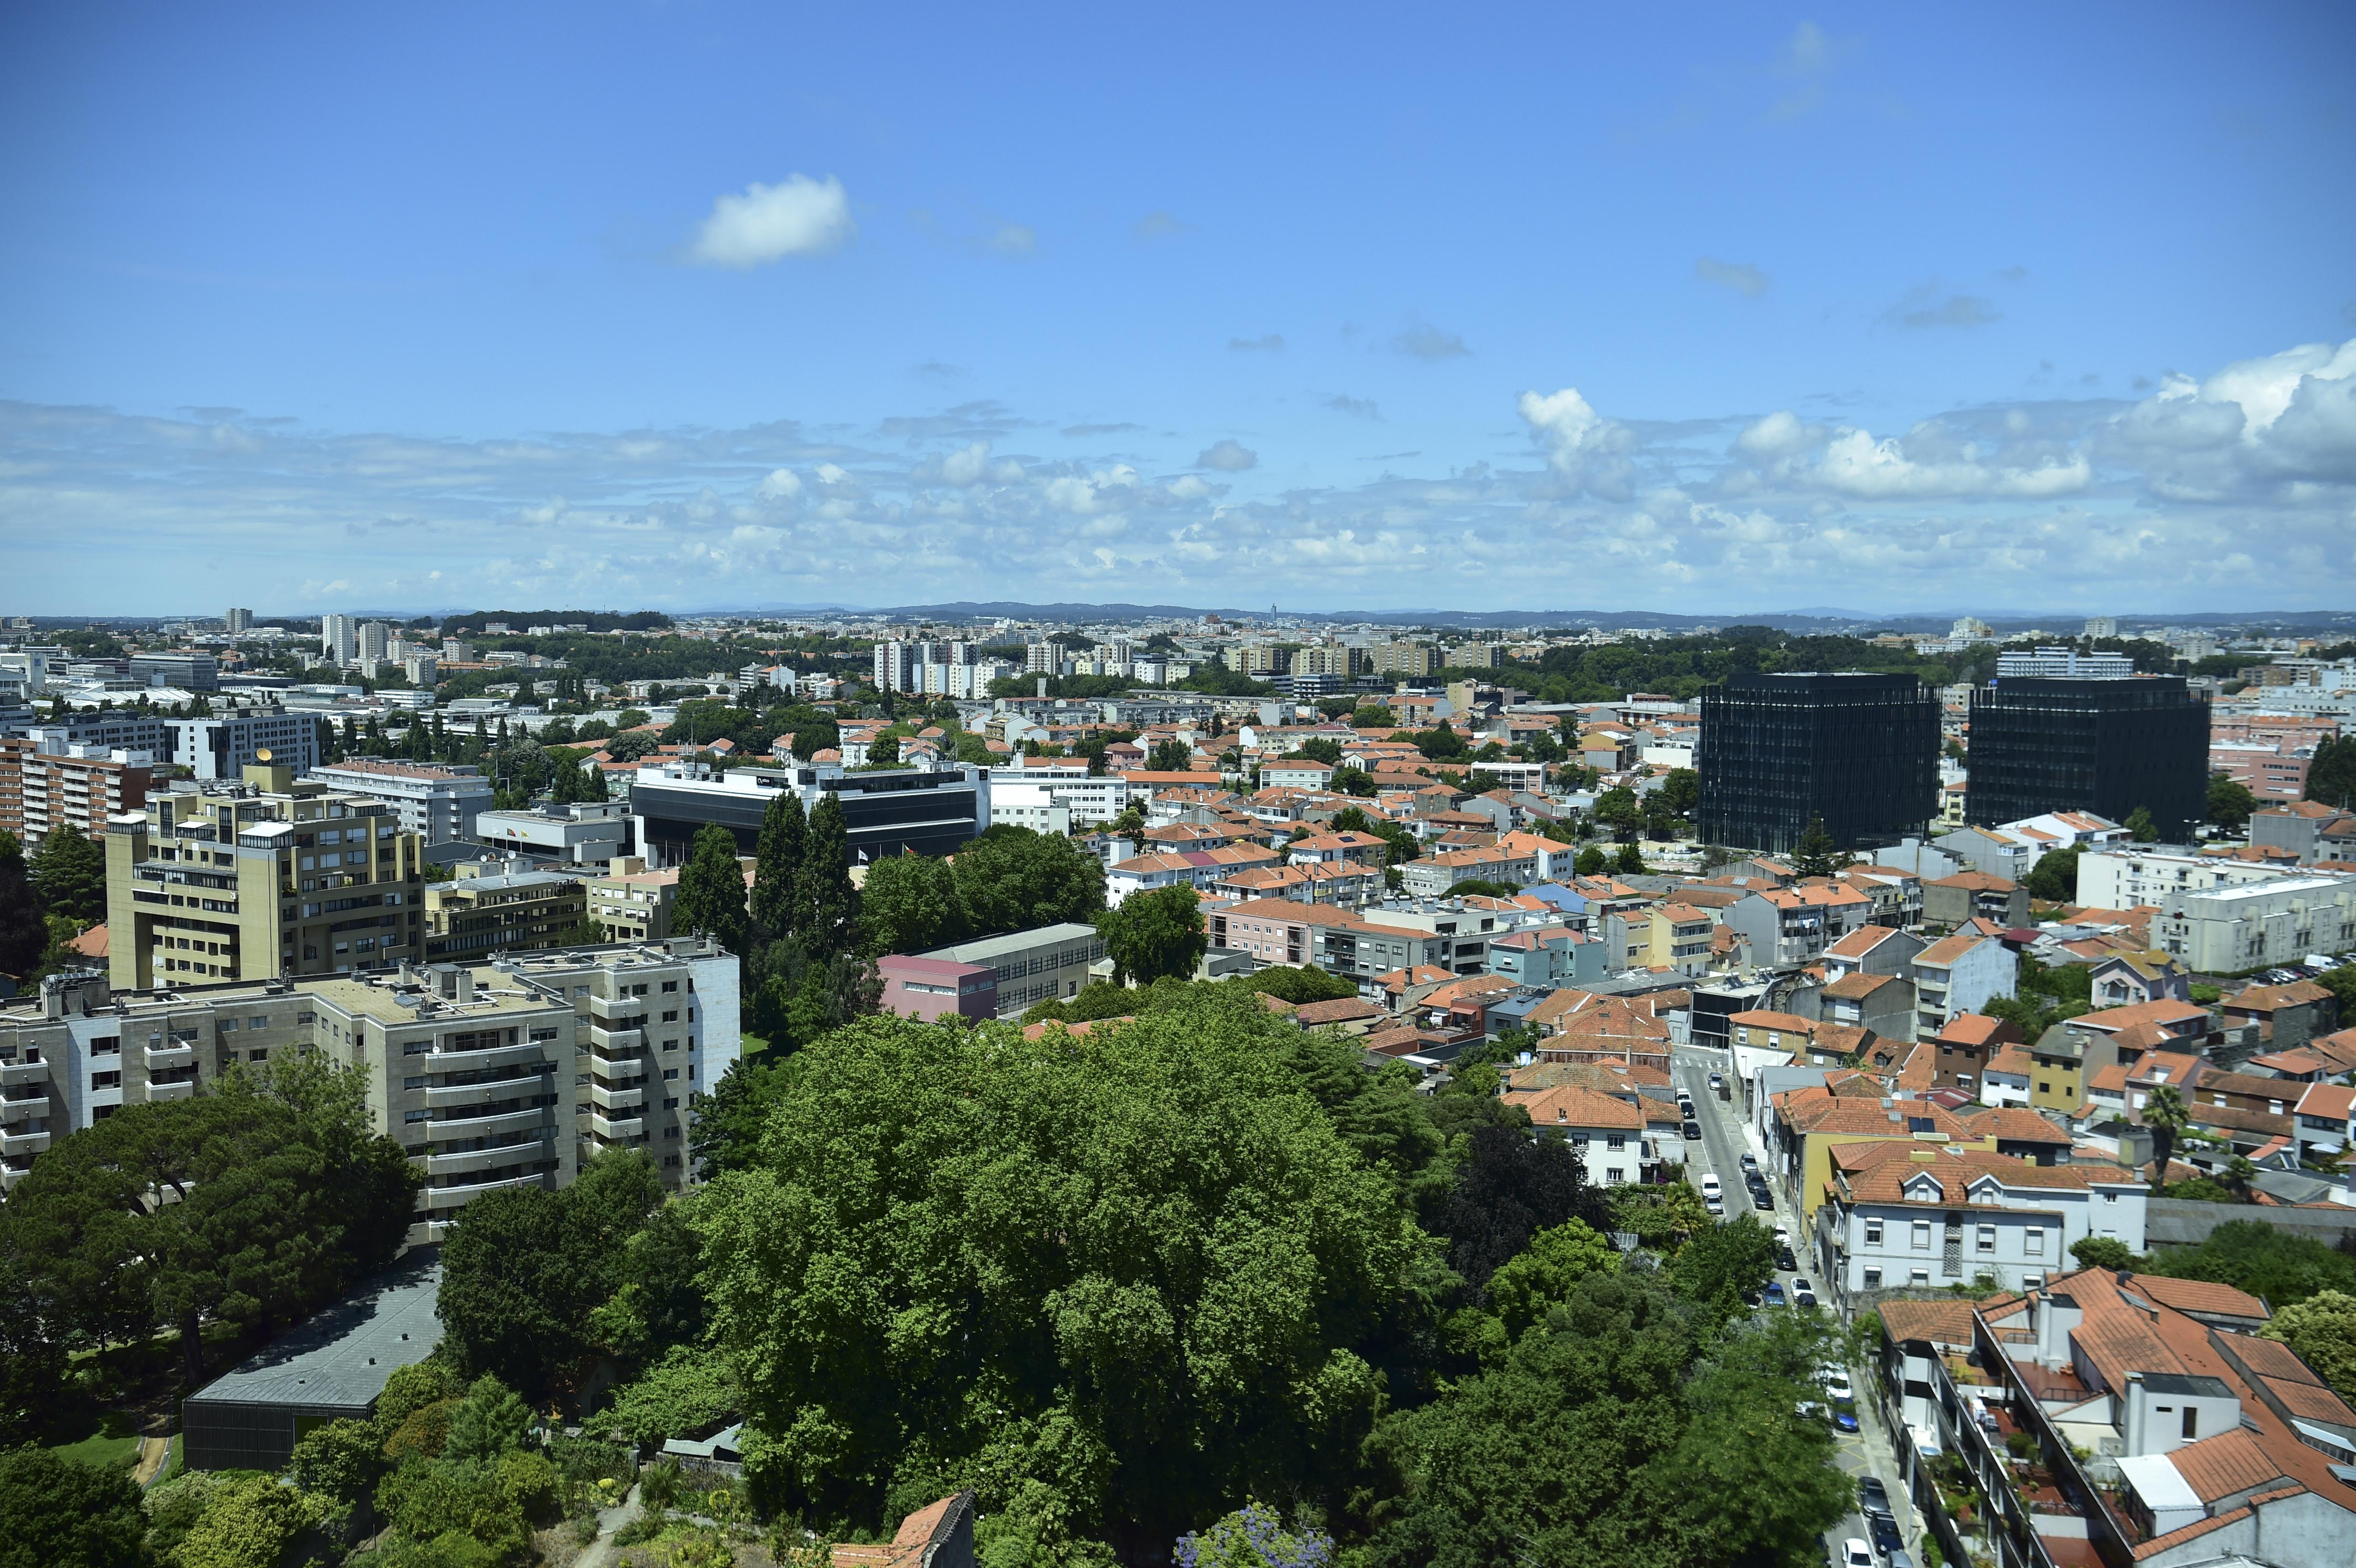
x=1709, y=1185
x=1854, y=1553
x=1835, y=1382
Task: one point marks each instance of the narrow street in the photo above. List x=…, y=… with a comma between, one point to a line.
x=1726, y=1138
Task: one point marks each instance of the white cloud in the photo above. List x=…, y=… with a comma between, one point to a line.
x=1780, y=435
x=1742, y=278
x=1854, y=463
x=797, y=217
x=782, y=484
x=2287, y=417
x=1229, y=456
x=1582, y=445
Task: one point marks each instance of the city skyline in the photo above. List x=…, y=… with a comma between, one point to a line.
x=1699, y=315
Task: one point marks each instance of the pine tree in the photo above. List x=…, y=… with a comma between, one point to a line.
x=823, y=894
x=2140, y=827
x=710, y=897
x=785, y=840
x=71, y=871
x=1817, y=854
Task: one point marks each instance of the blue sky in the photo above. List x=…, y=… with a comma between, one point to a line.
x=1701, y=309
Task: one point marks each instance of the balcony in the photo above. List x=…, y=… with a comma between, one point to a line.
x=488, y=1125
x=16, y=1072
x=22, y=1107
x=438, y=1199
x=165, y=1058
x=623, y=1129
x=448, y=1061
x=606, y=1099
x=621, y=1070
x=466, y=1160
x=460, y=1094
x=616, y=1039
x=180, y=1089
x=23, y=1143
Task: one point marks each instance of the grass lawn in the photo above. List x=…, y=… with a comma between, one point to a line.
x=115, y=1453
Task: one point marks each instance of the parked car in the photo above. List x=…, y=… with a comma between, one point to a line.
x=1811, y=1410
x=1884, y=1530
x=1751, y=1162
x=1872, y=1496
x=1785, y=1260
x=1899, y=1560
x=1717, y=1081
x=1710, y=1184
x=1802, y=1294
x=1759, y=1199
x=1835, y=1382
x=1774, y=1294
x=1783, y=1235
x=1693, y=1130
x=1845, y=1415
x=1713, y=1203
x=1854, y=1553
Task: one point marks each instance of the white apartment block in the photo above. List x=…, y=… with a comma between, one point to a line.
x=2064, y=663
x=437, y=803
x=496, y=1076
x=2133, y=876
x=2223, y=930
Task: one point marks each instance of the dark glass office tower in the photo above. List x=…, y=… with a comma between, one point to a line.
x=1859, y=751
x=2104, y=746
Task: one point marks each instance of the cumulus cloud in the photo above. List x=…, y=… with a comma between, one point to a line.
x=1585, y=448
x=1743, y=279
x=1428, y=343
x=797, y=217
x=1269, y=342
x=1229, y=456
x=2235, y=485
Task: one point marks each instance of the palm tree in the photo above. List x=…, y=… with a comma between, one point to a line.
x=2167, y=1115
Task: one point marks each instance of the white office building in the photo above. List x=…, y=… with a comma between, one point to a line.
x=1027, y=788
x=224, y=747
x=439, y=803
x=339, y=639
x=2063, y=664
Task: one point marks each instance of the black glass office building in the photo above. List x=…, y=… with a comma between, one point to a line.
x=2104, y=746
x=1861, y=751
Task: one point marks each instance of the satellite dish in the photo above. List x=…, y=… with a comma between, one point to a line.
x=261, y=754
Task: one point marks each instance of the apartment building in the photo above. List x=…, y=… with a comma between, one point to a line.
x=632, y=903
x=252, y=881
x=1967, y=896
x=2307, y=828
x=2226, y=930
x=1025, y=790
x=2136, y=876
x=1789, y=926
x=1044, y=964
x=500, y=906
x=1916, y=1215
x=1957, y=975
x=75, y=788
x=1357, y=947
x=489, y=1075
x=438, y=802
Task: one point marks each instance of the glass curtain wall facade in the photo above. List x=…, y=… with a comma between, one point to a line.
x=2104, y=746
x=1861, y=751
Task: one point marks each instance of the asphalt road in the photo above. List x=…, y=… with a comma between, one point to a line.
x=1722, y=1147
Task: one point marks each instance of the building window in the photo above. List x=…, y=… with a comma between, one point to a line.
x=1873, y=1279
x=1987, y=1238
x=1922, y=1235
x=2033, y=1240
x=2191, y=1422
x=1873, y=1232
x=1921, y=1278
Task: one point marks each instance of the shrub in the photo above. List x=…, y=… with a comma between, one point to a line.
x=424, y=1434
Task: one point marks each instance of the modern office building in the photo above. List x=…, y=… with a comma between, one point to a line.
x=505, y=1073
x=1777, y=752
x=75, y=788
x=224, y=747
x=2104, y=746
x=187, y=671
x=438, y=802
x=258, y=879
x=927, y=810
x=586, y=833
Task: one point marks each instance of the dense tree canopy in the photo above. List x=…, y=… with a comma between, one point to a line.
x=1156, y=934
x=1118, y=1281
x=55, y=1510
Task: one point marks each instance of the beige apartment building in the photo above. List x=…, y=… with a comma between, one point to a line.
x=267, y=877
x=500, y=907
x=633, y=903
x=494, y=1075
